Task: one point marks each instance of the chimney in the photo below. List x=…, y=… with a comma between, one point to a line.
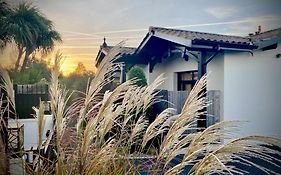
x=259, y=30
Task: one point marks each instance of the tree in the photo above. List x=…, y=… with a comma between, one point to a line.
x=31, y=31
x=37, y=72
x=4, y=11
x=80, y=69
x=77, y=80
x=137, y=72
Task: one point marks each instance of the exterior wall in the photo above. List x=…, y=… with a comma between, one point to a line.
x=145, y=69
x=31, y=130
x=170, y=66
x=249, y=87
x=215, y=71
x=252, y=91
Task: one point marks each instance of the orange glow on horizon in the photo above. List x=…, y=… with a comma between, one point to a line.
x=71, y=58
x=67, y=68
x=70, y=63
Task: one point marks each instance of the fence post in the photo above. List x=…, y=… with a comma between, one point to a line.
x=213, y=110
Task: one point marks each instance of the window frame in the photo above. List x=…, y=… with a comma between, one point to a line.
x=181, y=82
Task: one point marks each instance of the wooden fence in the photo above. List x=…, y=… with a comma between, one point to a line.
x=27, y=96
x=176, y=100
x=170, y=99
x=214, y=109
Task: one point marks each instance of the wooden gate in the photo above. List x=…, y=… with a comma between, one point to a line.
x=27, y=96
x=176, y=100
x=170, y=99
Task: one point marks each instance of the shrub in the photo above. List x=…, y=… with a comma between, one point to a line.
x=76, y=81
x=37, y=72
x=137, y=72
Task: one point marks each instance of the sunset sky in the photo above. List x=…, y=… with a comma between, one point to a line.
x=84, y=23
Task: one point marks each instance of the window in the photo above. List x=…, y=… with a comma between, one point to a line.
x=186, y=80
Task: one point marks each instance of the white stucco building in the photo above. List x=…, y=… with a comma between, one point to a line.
x=244, y=71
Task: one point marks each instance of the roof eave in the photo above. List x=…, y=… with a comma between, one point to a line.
x=179, y=40
x=99, y=55
x=266, y=43
x=224, y=45
x=98, y=58
x=143, y=42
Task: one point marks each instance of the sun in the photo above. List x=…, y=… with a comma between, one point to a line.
x=67, y=68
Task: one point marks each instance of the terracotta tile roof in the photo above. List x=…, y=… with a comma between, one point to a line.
x=128, y=50
x=124, y=50
x=192, y=35
x=268, y=35
x=106, y=49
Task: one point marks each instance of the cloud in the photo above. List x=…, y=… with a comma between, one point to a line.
x=80, y=55
x=79, y=47
x=250, y=24
x=101, y=38
x=221, y=12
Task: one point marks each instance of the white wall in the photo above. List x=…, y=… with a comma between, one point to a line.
x=250, y=87
x=215, y=71
x=31, y=130
x=170, y=66
x=252, y=91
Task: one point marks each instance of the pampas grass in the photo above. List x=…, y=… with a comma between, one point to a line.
x=7, y=86
x=105, y=133
x=7, y=110
x=3, y=127
x=241, y=149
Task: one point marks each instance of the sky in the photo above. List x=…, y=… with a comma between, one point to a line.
x=84, y=23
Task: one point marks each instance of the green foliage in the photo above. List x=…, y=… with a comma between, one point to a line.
x=37, y=72
x=137, y=72
x=78, y=80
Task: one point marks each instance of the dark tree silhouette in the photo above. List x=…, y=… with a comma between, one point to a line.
x=31, y=31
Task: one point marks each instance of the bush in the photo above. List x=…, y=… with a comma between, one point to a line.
x=77, y=81
x=37, y=72
x=137, y=72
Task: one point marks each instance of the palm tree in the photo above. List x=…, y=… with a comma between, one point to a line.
x=4, y=11
x=44, y=44
x=31, y=31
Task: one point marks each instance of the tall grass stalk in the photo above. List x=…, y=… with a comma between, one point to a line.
x=7, y=110
x=39, y=114
x=3, y=128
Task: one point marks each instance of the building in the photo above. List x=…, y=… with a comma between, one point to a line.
x=244, y=72
x=121, y=57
